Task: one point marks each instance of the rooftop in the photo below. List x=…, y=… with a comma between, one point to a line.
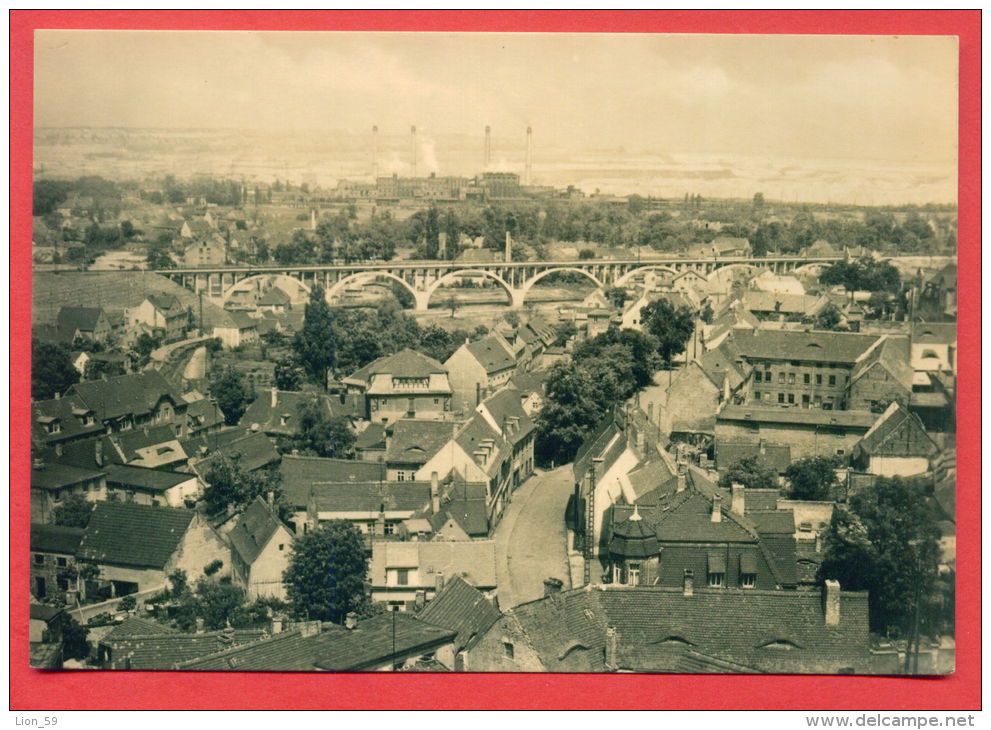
x=124, y=533
x=820, y=346
x=798, y=416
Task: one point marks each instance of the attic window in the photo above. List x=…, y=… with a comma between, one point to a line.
x=162, y=450
x=780, y=644
x=814, y=344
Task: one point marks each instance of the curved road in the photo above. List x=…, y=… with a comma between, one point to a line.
x=531, y=540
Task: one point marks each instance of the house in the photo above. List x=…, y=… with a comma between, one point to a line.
x=260, y=549
x=462, y=608
x=398, y=571
x=880, y=376
x=238, y=330
x=411, y=443
x=530, y=342
x=389, y=642
x=479, y=368
x=277, y=412
x=274, y=300
x=125, y=402
x=460, y=513
x=934, y=346
x=632, y=314
x=530, y=386
x=155, y=447
x=407, y=384
x=160, y=648
x=136, y=546
x=63, y=420
x=896, y=445
x=203, y=415
x=53, y=559
x=205, y=252
x=252, y=451
x=730, y=453
x=370, y=444
x=45, y=636
x=722, y=247
x=51, y=483
x=300, y=474
x=768, y=281
x=160, y=312
x=766, y=305
x=154, y=487
x=691, y=629
x=809, y=432
x=941, y=287
x=376, y=509
x=89, y=323
x=732, y=318
x=504, y=412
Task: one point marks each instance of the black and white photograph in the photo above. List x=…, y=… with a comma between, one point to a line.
x=493, y=352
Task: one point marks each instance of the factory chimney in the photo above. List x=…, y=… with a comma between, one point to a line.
x=528, y=173
x=488, y=147
x=412, y=132
x=375, y=151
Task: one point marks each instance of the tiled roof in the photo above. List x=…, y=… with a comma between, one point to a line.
x=474, y=435
x=938, y=333
x=253, y=529
x=491, y=354
x=136, y=393
x=405, y=363
x=506, y=404
x=567, y=630
x=274, y=296
x=144, y=479
x=819, y=346
x=252, y=452
x=131, y=442
x=893, y=354
x=136, y=626
x=365, y=497
x=776, y=456
x=124, y=533
x=164, y=651
x=416, y=441
x=57, y=476
x=377, y=639
x=71, y=319
x=67, y=410
x=44, y=612
x=475, y=560
x=800, y=416
x=166, y=303
x=287, y=406
x=55, y=538
x=462, y=608
x=291, y=651
x=899, y=433
x=373, y=437
x=301, y=473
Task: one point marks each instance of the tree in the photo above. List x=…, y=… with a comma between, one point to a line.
x=829, y=318
x=812, y=477
x=577, y=396
x=671, y=326
x=315, y=342
x=512, y=318
x=585, y=254
x=323, y=436
x=51, y=370
x=886, y=543
x=451, y=303
x=217, y=601
x=74, y=511
x=127, y=603
x=752, y=472
x=325, y=579
x=229, y=484
x=564, y=332
x=289, y=374
x=617, y=295
x=231, y=395
x=74, y=637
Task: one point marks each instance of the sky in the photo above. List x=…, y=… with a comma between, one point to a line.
x=836, y=97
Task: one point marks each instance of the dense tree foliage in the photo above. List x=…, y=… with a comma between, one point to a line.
x=671, y=326
x=322, y=436
x=315, y=343
x=863, y=275
x=73, y=511
x=289, y=374
x=326, y=575
x=51, y=370
x=230, y=485
x=752, y=472
x=232, y=397
x=812, y=477
x=885, y=542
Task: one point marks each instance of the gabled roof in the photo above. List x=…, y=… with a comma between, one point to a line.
x=163, y=651
x=124, y=533
x=291, y=651
x=937, y=333
x=462, y=608
x=55, y=538
x=897, y=433
x=167, y=304
x=728, y=243
x=73, y=319
x=820, y=346
x=757, y=300
x=505, y=405
x=132, y=442
x=404, y=364
x=721, y=362
x=287, y=406
x=274, y=297
x=136, y=626
x=379, y=639
x=54, y=476
x=68, y=410
x=475, y=560
x=370, y=497
x=477, y=435
x=253, y=529
x=253, y=451
x=372, y=438
x=893, y=355
x=144, y=479
x=133, y=394
x=776, y=456
x=416, y=441
x=491, y=354
x=301, y=473
x=798, y=416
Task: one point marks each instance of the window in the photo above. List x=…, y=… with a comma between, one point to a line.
x=781, y=378
x=805, y=400
x=839, y=452
x=748, y=580
x=400, y=476
x=758, y=376
x=402, y=576
x=633, y=574
x=781, y=397
x=716, y=580
x=54, y=427
x=39, y=559
x=508, y=650
x=389, y=529
x=818, y=379
x=767, y=397
x=832, y=380
x=791, y=397
x=757, y=394
x=281, y=547
x=817, y=400
x=791, y=378
x=436, y=401
x=807, y=379
x=61, y=562
x=63, y=583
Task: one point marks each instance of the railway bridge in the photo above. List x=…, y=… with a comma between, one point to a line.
x=423, y=278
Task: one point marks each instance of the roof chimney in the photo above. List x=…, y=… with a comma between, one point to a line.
x=98, y=452
x=439, y=581
x=199, y=625
x=689, y=585
x=737, y=499
x=717, y=513
x=420, y=601
x=552, y=586
x=682, y=480
x=831, y=602
x=612, y=649
x=351, y=620
x=275, y=397
x=434, y=493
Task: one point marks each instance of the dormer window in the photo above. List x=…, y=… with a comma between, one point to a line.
x=54, y=427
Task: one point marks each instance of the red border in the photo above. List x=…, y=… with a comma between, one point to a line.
x=96, y=690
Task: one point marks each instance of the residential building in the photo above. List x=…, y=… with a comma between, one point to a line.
x=210, y=251
x=407, y=384
x=479, y=368
x=896, y=445
x=160, y=312
x=63, y=420
x=881, y=376
x=260, y=549
x=89, y=323
x=301, y=474
x=399, y=571
x=276, y=413
x=239, y=330
x=274, y=300
x=504, y=412
x=934, y=346
x=125, y=402
x=411, y=443
x=460, y=607
x=153, y=487
x=250, y=449
x=53, y=560
x=376, y=509
x=159, y=648
x=51, y=483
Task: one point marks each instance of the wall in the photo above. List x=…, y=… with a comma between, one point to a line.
x=464, y=373
x=394, y=407
x=692, y=401
x=489, y=654
x=199, y=547
x=804, y=440
x=794, y=382
x=897, y=466
x=876, y=387
x=51, y=571
x=267, y=570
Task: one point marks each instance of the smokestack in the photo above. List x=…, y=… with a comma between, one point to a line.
x=375, y=151
x=737, y=503
x=275, y=397
x=612, y=649
x=831, y=602
x=434, y=493
x=689, y=585
x=412, y=132
x=529, y=156
x=717, y=513
x=351, y=620
x=488, y=147
x=509, y=248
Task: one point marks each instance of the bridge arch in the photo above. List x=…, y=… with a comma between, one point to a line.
x=815, y=269
x=423, y=299
x=238, y=285
x=363, y=277
x=621, y=281
x=531, y=282
x=720, y=272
